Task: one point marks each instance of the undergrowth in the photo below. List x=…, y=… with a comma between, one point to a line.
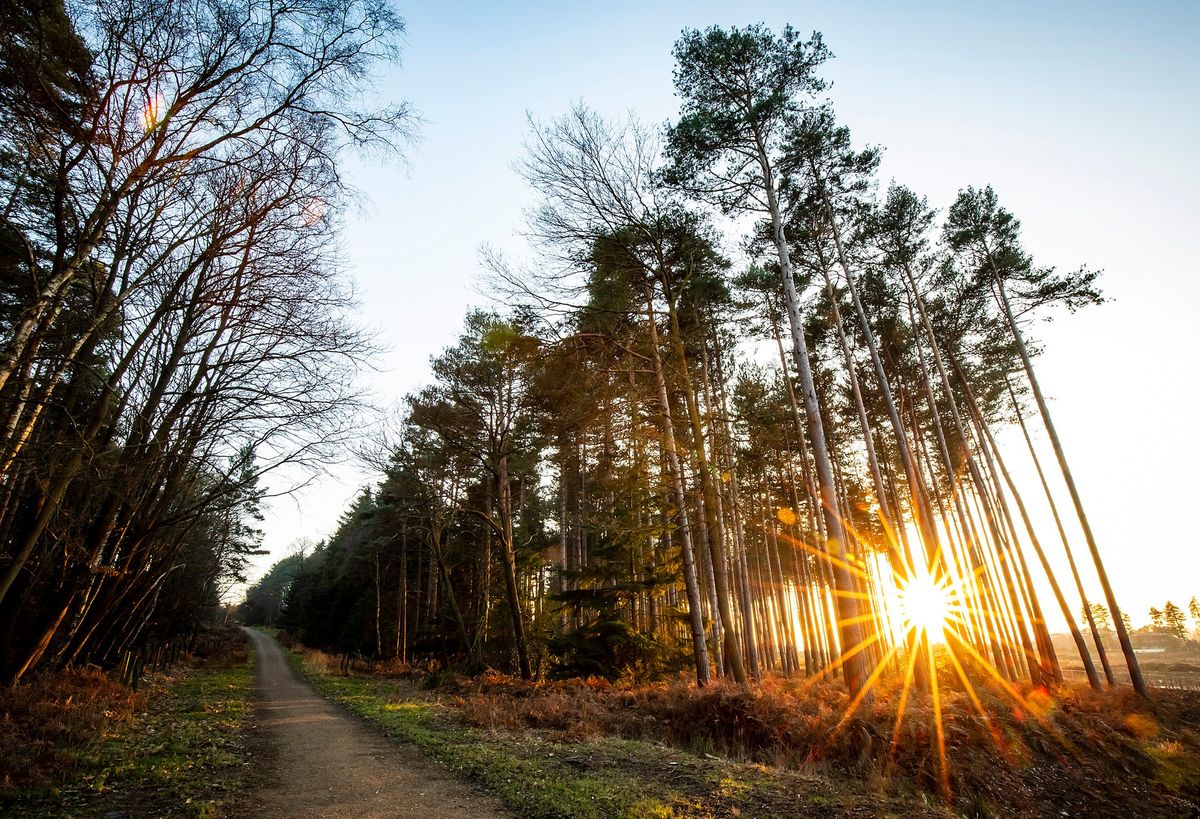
x=1070, y=751
x=47, y=724
x=1071, y=748
x=543, y=776
x=176, y=749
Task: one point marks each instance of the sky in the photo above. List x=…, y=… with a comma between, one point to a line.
x=1085, y=118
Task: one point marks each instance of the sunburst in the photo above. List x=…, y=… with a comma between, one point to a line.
x=926, y=605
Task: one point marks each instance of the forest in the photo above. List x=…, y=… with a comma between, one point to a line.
x=733, y=424
x=174, y=324
x=655, y=459
x=658, y=463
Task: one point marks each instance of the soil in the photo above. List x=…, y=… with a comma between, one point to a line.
x=322, y=762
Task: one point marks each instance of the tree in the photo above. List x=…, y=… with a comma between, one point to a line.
x=989, y=235
x=171, y=301
x=265, y=598
x=610, y=473
x=483, y=407
x=1156, y=618
x=602, y=207
x=1174, y=620
x=1100, y=615
x=740, y=92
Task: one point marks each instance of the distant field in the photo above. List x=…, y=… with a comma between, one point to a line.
x=1162, y=668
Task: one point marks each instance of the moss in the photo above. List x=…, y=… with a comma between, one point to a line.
x=1177, y=768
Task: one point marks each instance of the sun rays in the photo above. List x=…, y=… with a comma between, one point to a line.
x=931, y=629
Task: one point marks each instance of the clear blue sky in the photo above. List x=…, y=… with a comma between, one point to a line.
x=1085, y=117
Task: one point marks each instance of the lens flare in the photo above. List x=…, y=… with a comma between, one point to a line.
x=313, y=211
x=927, y=625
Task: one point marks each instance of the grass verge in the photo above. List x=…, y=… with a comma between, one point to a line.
x=785, y=747
x=184, y=755
x=540, y=777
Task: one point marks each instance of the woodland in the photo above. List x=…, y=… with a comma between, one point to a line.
x=734, y=421
x=174, y=325
x=659, y=460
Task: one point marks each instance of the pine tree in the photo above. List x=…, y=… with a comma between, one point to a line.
x=1174, y=620
x=1156, y=618
x=740, y=91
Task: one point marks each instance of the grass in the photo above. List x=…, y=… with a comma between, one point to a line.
x=182, y=754
x=539, y=775
x=783, y=747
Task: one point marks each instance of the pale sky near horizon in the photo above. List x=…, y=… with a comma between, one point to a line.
x=1085, y=117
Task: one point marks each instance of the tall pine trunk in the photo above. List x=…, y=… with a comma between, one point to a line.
x=667, y=426
x=1131, y=661
x=849, y=612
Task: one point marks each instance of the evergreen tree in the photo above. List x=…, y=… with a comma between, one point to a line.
x=741, y=91
x=1156, y=618
x=1174, y=620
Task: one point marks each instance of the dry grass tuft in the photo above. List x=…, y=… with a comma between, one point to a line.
x=44, y=723
x=316, y=661
x=1071, y=747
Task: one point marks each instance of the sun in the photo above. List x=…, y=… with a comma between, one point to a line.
x=152, y=113
x=924, y=605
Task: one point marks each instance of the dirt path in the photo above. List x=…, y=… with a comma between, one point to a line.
x=330, y=764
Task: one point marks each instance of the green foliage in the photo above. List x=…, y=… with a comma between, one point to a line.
x=612, y=649
x=1174, y=620
x=415, y=568
x=44, y=64
x=987, y=238
x=739, y=90
x=265, y=598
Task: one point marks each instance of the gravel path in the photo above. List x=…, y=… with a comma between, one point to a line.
x=328, y=764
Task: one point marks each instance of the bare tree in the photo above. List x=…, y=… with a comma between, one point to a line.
x=180, y=299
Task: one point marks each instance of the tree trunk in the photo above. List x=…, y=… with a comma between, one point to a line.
x=716, y=536
x=1084, y=655
x=691, y=586
x=510, y=568
x=1062, y=534
x=920, y=499
x=849, y=612
x=1131, y=661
